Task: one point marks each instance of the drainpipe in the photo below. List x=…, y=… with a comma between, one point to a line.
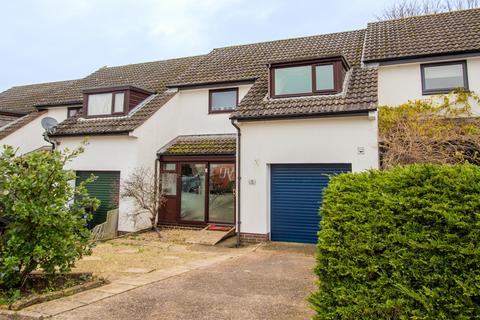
x=239, y=180
x=47, y=138
x=155, y=193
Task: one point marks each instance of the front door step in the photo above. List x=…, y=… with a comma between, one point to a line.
x=211, y=235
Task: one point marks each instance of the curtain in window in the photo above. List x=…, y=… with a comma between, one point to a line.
x=119, y=101
x=99, y=104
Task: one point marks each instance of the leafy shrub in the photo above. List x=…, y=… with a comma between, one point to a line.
x=439, y=130
x=47, y=229
x=400, y=244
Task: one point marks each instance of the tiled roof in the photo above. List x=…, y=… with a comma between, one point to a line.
x=247, y=62
x=359, y=96
x=441, y=33
x=151, y=76
x=250, y=62
x=19, y=123
x=22, y=99
x=5, y=119
x=78, y=125
x=219, y=144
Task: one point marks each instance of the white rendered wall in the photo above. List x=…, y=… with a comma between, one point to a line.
x=30, y=136
x=325, y=140
x=402, y=82
x=107, y=153
x=185, y=114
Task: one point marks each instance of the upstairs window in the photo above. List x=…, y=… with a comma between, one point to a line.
x=73, y=111
x=301, y=79
x=223, y=100
x=112, y=101
x=101, y=104
x=444, y=77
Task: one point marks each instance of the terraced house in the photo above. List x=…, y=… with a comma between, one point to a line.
x=247, y=135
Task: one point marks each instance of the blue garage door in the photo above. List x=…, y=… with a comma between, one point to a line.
x=296, y=196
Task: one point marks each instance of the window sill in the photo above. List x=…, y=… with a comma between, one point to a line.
x=443, y=91
x=310, y=94
x=221, y=111
x=111, y=115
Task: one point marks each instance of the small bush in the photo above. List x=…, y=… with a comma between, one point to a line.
x=47, y=230
x=400, y=244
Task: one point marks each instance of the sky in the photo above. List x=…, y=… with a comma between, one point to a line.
x=53, y=40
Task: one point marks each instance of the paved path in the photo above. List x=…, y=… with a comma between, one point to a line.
x=269, y=283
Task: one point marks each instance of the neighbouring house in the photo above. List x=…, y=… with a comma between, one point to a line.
x=21, y=112
x=247, y=135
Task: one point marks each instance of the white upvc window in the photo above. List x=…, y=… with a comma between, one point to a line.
x=102, y=104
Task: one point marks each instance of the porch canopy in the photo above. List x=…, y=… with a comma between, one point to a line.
x=198, y=180
x=200, y=145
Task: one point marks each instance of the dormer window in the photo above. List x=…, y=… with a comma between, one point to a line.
x=307, y=78
x=101, y=104
x=117, y=101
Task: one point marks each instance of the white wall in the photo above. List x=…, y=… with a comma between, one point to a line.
x=325, y=140
x=402, y=82
x=107, y=153
x=185, y=114
x=30, y=136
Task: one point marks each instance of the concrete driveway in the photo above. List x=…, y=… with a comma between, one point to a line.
x=271, y=282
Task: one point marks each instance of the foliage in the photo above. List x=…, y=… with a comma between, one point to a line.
x=48, y=229
x=400, y=244
x=437, y=130
x=409, y=8
x=141, y=187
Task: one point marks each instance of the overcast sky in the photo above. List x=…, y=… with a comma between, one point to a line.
x=51, y=40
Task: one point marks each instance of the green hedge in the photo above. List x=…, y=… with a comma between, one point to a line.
x=400, y=244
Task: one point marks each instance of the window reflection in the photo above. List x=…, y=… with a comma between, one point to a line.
x=221, y=193
x=193, y=192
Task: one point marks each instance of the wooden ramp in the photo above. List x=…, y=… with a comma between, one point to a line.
x=211, y=235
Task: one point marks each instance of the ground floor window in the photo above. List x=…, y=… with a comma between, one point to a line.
x=198, y=192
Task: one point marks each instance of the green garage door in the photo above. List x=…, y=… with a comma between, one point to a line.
x=105, y=188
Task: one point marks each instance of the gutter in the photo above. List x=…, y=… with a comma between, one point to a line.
x=362, y=112
x=239, y=180
x=423, y=57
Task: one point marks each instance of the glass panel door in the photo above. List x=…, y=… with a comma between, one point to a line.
x=221, y=188
x=192, y=207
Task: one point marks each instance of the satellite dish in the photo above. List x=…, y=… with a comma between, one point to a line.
x=49, y=123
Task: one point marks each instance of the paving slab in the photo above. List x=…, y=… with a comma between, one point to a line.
x=116, y=288
x=54, y=307
x=90, y=296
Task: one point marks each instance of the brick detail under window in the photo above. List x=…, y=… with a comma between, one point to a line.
x=254, y=237
x=169, y=226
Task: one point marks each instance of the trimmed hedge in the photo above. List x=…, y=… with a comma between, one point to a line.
x=400, y=244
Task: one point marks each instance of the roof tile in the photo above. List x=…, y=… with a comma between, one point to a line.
x=435, y=34
x=151, y=76
x=219, y=144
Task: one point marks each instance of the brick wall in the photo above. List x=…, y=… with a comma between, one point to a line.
x=254, y=237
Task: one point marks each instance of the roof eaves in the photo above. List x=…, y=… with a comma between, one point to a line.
x=421, y=56
x=113, y=88
x=362, y=111
x=211, y=83
x=87, y=133
x=310, y=59
x=58, y=104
